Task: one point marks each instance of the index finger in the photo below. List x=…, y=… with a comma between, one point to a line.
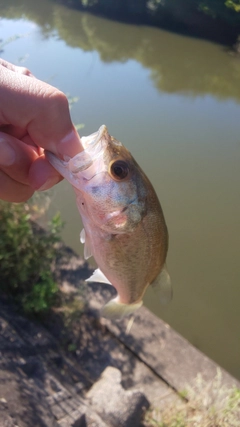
x=39, y=109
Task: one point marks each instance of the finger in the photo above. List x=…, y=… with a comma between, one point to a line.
x=16, y=131
x=23, y=70
x=13, y=191
x=15, y=68
x=41, y=110
x=16, y=158
x=42, y=175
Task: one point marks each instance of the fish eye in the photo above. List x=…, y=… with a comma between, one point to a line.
x=119, y=170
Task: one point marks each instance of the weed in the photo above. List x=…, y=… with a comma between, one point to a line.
x=27, y=253
x=209, y=404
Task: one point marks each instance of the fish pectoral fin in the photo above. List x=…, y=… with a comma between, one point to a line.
x=99, y=277
x=162, y=286
x=116, y=310
x=82, y=236
x=87, y=248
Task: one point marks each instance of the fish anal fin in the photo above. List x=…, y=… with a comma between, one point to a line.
x=162, y=286
x=99, y=277
x=116, y=310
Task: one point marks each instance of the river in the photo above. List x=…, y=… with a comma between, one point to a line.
x=174, y=102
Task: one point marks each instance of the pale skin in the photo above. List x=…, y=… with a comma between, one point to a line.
x=33, y=116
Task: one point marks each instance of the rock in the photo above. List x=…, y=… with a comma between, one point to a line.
x=83, y=417
x=93, y=420
x=116, y=406
x=7, y=421
x=76, y=420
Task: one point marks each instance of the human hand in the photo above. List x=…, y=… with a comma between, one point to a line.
x=33, y=116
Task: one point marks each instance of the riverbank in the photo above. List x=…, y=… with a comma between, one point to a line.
x=76, y=369
x=215, y=21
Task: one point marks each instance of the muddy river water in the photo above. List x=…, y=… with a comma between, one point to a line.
x=174, y=101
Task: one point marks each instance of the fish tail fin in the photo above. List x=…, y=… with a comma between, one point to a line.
x=117, y=310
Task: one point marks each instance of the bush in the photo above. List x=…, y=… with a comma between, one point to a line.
x=27, y=253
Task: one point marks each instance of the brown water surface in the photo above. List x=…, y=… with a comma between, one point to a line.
x=175, y=103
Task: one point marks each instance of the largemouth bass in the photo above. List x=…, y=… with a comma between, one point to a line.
x=124, y=226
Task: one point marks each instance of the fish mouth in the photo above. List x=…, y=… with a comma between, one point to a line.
x=93, y=145
x=95, y=138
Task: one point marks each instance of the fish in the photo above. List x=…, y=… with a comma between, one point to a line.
x=124, y=226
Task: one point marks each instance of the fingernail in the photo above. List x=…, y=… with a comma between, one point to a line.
x=48, y=184
x=70, y=145
x=7, y=153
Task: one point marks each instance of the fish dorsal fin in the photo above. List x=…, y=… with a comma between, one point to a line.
x=98, y=276
x=87, y=248
x=162, y=286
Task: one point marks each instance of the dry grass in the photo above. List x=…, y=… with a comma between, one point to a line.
x=207, y=404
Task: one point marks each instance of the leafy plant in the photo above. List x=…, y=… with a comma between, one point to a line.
x=27, y=253
x=235, y=5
